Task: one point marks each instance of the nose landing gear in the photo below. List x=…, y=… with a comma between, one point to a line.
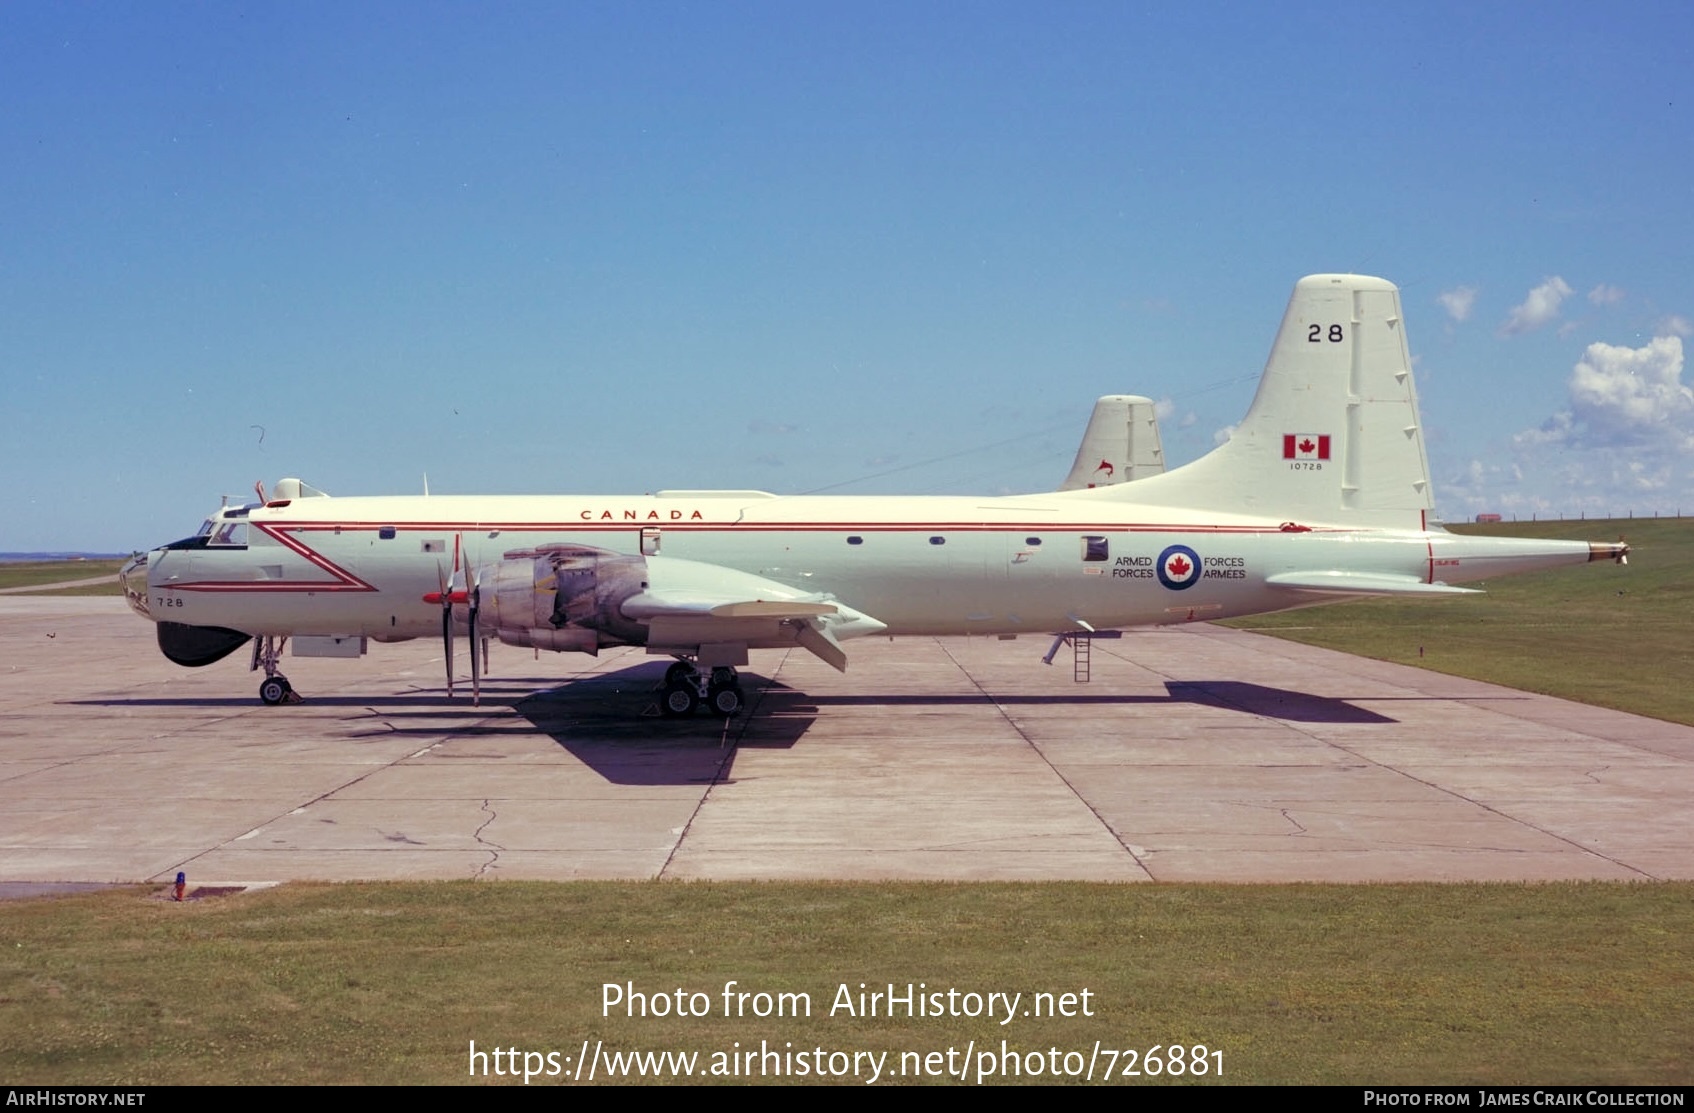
x=275, y=688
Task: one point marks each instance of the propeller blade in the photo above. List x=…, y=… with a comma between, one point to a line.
x=447, y=644
x=447, y=619
x=476, y=661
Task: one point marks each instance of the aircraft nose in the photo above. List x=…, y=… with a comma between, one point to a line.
x=133, y=577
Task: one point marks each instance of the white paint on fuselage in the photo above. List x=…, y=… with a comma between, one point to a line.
x=319, y=566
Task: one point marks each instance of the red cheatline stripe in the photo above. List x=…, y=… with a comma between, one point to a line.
x=792, y=527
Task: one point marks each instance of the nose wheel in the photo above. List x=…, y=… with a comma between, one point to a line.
x=274, y=690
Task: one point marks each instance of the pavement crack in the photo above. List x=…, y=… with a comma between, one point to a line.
x=727, y=746
x=494, y=848
x=1111, y=831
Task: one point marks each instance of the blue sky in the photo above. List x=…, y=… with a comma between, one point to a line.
x=878, y=248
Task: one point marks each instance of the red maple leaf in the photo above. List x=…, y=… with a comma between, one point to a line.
x=1307, y=445
x=1178, y=566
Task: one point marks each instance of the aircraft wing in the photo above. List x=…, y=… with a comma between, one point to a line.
x=1356, y=584
x=692, y=616
x=662, y=604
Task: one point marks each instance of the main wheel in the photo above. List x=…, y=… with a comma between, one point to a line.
x=726, y=701
x=679, y=672
x=678, y=700
x=274, y=690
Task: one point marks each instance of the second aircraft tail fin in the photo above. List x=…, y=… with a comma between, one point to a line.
x=1121, y=444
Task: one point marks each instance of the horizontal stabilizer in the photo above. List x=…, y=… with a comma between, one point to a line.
x=1357, y=583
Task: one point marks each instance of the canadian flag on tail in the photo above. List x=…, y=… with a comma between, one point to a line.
x=1305, y=446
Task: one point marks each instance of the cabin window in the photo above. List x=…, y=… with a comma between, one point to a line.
x=938, y=541
x=1095, y=549
x=435, y=546
x=855, y=540
x=385, y=532
x=1032, y=542
x=229, y=535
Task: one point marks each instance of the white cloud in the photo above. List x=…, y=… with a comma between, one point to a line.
x=1624, y=397
x=1163, y=408
x=1675, y=325
x=1222, y=435
x=1558, y=429
x=1634, y=395
x=1605, y=295
x=1541, y=306
x=1188, y=419
x=1458, y=302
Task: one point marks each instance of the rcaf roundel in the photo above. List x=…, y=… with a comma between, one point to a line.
x=1179, y=567
x=1305, y=446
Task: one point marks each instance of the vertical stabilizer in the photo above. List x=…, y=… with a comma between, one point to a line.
x=1121, y=444
x=1333, y=433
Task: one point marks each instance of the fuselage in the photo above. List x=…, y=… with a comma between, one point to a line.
x=918, y=565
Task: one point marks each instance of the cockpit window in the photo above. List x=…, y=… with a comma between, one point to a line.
x=229, y=535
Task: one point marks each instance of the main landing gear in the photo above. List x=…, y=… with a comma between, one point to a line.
x=275, y=688
x=686, y=688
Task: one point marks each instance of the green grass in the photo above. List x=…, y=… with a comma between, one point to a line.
x=30, y=573
x=1293, y=984
x=1620, y=637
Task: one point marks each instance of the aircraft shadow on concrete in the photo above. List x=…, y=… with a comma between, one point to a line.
x=1272, y=703
x=611, y=723
x=1235, y=695
x=595, y=719
x=624, y=703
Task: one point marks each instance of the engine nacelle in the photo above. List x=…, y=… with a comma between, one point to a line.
x=564, y=597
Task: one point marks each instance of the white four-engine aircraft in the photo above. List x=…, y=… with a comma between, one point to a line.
x=1321, y=494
